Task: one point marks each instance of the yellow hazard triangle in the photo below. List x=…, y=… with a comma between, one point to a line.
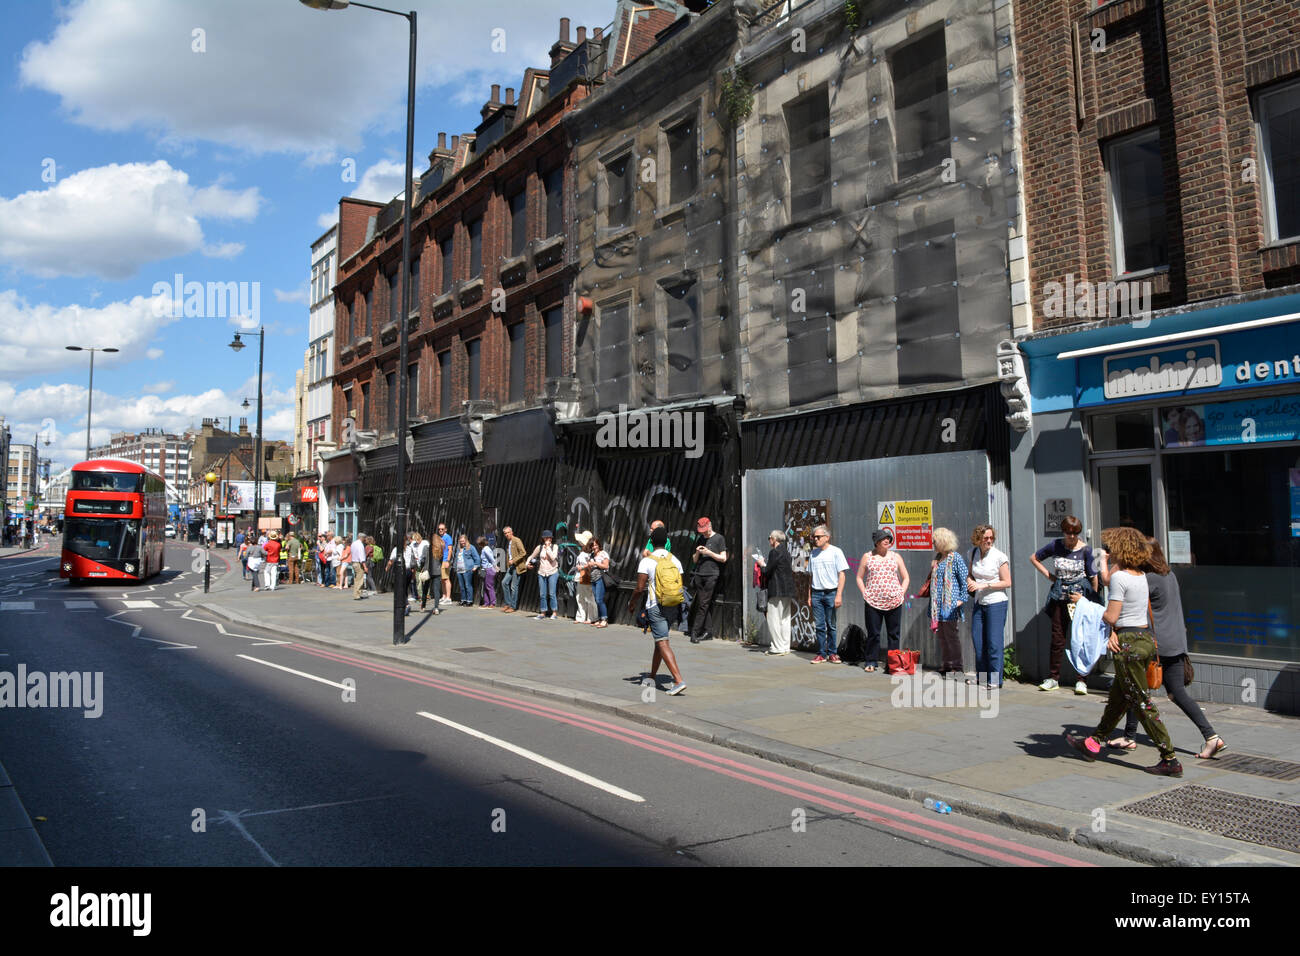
x=886, y=515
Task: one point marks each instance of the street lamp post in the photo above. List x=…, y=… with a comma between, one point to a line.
x=399, y=504
x=90, y=390
x=237, y=344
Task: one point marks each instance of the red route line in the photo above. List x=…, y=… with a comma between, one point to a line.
x=657, y=745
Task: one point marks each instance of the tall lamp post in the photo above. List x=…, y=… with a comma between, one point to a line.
x=90, y=390
x=237, y=345
x=399, y=504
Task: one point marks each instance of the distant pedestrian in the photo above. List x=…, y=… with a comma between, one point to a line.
x=256, y=559
x=373, y=554
x=445, y=538
x=949, y=593
x=710, y=556
x=487, y=562
x=422, y=557
x=1071, y=572
x=293, y=549
x=778, y=579
x=466, y=560
x=243, y=556
x=271, y=570
x=358, y=556
x=827, y=564
x=342, y=556
x=990, y=579
x=660, y=575
x=407, y=563
x=516, y=565
x=883, y=581
x=546, y=557
x=599, y=572
x=585, y=605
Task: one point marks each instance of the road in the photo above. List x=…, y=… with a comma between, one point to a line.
x=220, y=745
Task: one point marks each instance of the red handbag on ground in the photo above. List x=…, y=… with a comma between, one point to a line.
x=903, y=662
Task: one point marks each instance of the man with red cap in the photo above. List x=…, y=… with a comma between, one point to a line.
x=710, y=556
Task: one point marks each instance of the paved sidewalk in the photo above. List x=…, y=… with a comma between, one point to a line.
x=20, y=845
x=1012, y=766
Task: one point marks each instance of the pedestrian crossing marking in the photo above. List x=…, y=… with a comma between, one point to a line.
x=134, y=604
x=79, y=605
x=17, y=605
x=886, y=515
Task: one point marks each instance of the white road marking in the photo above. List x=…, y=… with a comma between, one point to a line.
x=79, y=605
x=538, y=758
x=173, y=645
x=222, y=630
x=17, y=605
x=135, y=604
x=281, y=667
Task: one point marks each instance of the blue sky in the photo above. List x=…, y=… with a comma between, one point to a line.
x=210, y=139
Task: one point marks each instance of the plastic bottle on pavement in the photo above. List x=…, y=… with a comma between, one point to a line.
x=938, y=806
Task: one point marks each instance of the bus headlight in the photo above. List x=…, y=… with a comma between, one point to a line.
x=129, y=568
x=67, y=567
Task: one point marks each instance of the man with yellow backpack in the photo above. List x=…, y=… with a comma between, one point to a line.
x=659, y=576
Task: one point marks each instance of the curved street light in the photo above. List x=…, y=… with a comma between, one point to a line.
x=238, y=346
x=90, y=389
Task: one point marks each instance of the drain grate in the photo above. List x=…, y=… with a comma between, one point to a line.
x=1259, y=766
x=473, y=650
x=1253, y=819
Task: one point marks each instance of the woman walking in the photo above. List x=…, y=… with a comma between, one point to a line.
x=546, y=556
x=1133, y=646
x=883, y=581
x=1171, y=647
x=990, y=578
x=948, y=592
x=599, y=568
x=466, y=561
x=1071, y=572
x=778, y=578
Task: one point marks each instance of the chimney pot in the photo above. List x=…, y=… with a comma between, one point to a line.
x=582, y=35
x=564, y=29
x=496, y=92
x=455, y=141
x=510, y=95
x=596, y=32
x=442, y=140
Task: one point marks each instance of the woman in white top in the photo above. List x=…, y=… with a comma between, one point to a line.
x=989, y=579
x=1133, y=646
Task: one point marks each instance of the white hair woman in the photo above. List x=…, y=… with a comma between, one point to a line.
x=948, y=593
x=778, y=578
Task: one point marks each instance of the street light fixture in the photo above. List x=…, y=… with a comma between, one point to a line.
x=90, y=390
x=399, y=503
x=238, y=345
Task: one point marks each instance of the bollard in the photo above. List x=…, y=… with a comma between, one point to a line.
x=207, y=572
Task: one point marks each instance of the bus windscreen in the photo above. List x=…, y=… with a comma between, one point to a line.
x=102, y=539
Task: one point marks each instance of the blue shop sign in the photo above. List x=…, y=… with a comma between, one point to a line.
x=1198, y=367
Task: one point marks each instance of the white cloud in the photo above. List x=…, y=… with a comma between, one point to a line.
x=111, y=220
x=33, y=337
x=265, y=80
x=153, y=354
x=327, y=219
x=297, y=295
x=223, y=250
x=158, y=388
x=382, y=181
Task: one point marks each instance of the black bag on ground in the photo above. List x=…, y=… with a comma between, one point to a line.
x=853, y=645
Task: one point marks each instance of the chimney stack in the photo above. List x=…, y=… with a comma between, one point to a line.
x=596, y=32
x=510, y=95
x=455, y=142
x=564, y=29
x=496, y=93
x=442, y=140
x=582, y=35
x=243, y=426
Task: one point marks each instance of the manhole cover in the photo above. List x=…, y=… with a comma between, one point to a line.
x=1253, y=819
x=1259, y=766
x=472, y=650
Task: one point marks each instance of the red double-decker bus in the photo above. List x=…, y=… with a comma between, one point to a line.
x=114, y=522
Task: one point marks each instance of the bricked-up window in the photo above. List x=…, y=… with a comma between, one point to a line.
x=516, y=335
x=370, y=308
x=390, y=386
x=553, y=184
x=926, y=314
x=808, y=123
x=472, y=355
x=920, y=74
x=412, y=389
x=553, y=322
x=518, y=222
x=352, y=321
x=618, y=182
x=683, y=159
x=415, y=281
x=349, y=411
x=365, y=404
x=444, y=383
x=475, y=229
x=394, y=295
x=446, y=247
x=1137, y=196
x=682, y=324
x=809, y=321
x=613, y=355
x=1278, y=116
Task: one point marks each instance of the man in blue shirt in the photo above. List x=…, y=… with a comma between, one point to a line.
x=446, y=563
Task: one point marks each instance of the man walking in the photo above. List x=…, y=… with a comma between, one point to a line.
x=828, y=565
x=516, y=563
x=359, y=553
x=659, y=576
x=710, y=556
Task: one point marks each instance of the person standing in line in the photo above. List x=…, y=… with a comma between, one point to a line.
x=649, y=546
x=407, y=562
x=358, y=555
x=466, y=561
x=710, y=556
x=989, y=581
x=949, y=592
x=1171, y=647
x=584, y=603
x=546, y=556
x=599, y=569
x=243, y=554
x=256, y=558
x=422, y=563
x=660, y=575
x=778, y=579
x=373, y=554
x=1070, y=574
x=1133, y=646
x=827, y=564
x=294, y=550
x=516, y=564
x=271, y=570
x=882, y=581
x=487, y=562
x=446, y=563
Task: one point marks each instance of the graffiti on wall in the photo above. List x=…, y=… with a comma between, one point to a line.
x=623, y=523
x=800, y=519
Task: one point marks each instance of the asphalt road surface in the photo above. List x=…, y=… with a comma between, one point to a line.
x=220, y=745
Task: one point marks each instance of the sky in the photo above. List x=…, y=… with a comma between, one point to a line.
x=209, y=140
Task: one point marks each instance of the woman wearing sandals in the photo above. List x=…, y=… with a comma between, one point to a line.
x=598, y=568
x=1133, y=646
x=882, y=580
x=1171, y=646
